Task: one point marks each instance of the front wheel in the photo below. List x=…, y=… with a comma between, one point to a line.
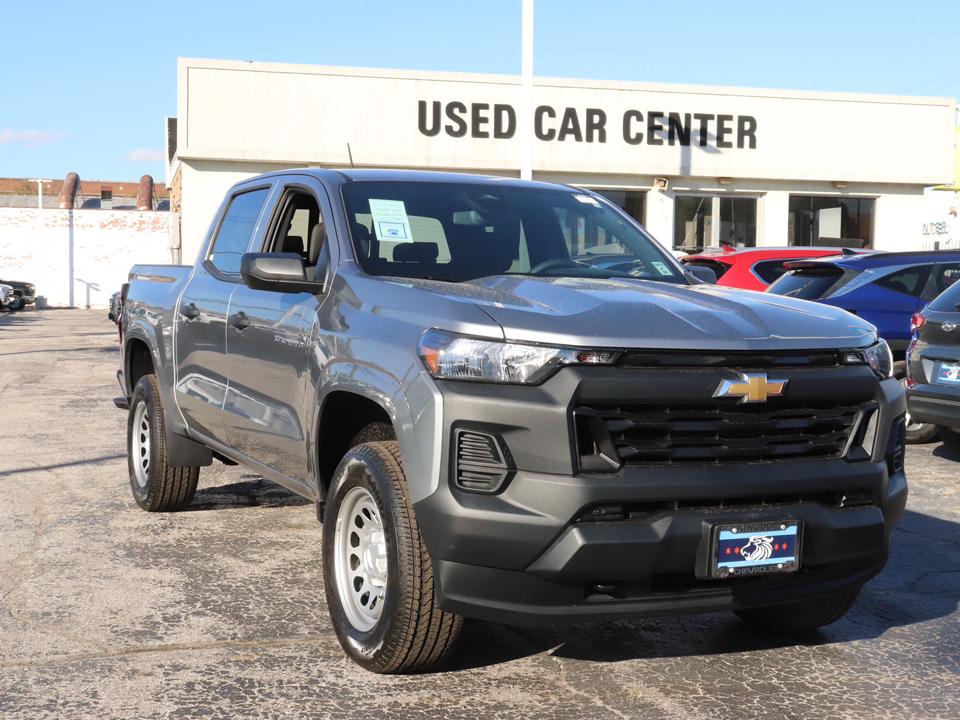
x=16, y=303
x=156, y=485
x=377, y=574
x=802, y=615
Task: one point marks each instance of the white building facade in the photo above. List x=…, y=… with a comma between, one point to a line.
x=698, y=166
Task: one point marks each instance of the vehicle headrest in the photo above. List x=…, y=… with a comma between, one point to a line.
x=317, y=237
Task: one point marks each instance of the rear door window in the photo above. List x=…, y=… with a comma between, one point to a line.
x=947, y=300
x=945, y=275
x=909, y=281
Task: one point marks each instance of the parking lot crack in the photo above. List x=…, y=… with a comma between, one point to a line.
x=318, y=639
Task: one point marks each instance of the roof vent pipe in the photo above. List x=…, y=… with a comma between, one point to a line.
x=145, y=193
x=68, y=193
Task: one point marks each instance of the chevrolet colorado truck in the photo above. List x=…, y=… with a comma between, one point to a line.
x=509, y=402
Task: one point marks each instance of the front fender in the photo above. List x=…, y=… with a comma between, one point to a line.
x=414, y=409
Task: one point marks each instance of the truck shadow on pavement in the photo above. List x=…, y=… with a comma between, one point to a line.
x=920, y=583
x=251, y=491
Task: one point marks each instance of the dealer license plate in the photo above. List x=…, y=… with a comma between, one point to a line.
x=948, y=374
x=755, y=548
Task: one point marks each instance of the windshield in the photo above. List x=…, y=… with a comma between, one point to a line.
x=464, y=231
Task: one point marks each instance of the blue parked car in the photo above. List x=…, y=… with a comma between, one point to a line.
x=883, y=288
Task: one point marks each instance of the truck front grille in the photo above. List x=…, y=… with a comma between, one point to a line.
x=714, y=433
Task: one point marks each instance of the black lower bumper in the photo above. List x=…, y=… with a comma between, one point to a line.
x=652, y=566
x=935, y=404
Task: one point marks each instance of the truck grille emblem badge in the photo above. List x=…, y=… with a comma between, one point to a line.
x=751, y=388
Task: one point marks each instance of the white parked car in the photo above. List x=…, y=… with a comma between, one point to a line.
x=6, y=296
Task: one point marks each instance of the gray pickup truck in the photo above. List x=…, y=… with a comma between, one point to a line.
x=509, y=402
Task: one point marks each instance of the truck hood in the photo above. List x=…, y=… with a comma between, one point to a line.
x=647, y=314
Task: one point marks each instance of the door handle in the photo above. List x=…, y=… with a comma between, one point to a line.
x=189, y=311
x=239, y=321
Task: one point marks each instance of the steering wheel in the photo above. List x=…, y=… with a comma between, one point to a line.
x=554, y=263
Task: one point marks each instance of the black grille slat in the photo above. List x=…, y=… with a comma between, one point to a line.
x=724, y=433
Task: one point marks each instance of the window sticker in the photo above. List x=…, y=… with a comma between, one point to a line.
x=390, y=221
x=586, y=199
x=662, y=268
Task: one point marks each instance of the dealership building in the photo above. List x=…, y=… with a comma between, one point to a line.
x=698, y=166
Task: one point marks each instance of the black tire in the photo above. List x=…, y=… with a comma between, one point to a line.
x=157, y=487
x=917, y=433
x=376, y=570
x=16, y=303
x=802, y=615
x=951, y=440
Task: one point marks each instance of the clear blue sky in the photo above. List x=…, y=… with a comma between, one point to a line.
x=86, y=86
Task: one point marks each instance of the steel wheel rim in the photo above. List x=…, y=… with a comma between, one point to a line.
x=910, y=426
x=141, y=444
x=360, y=559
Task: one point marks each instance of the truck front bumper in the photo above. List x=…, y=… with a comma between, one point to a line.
x=553, y=546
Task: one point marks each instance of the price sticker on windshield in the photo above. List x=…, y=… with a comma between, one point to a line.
x=586, y=199
x=390, y=221
x=662, y=268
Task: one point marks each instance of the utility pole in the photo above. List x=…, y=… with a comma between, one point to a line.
x=40, y=182
x=526, y=92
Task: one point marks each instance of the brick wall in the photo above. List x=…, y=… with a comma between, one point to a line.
x=80, y=257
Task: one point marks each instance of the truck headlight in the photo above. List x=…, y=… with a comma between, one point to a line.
x=877, y=356
x=460, y=357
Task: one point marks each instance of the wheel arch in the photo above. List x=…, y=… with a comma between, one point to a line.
x=359, y=396
x=344, y=415
x=182, y=451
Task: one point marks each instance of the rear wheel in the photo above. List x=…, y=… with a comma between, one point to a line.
x=157, y=486
x=917, y=432
x=377, y=574
x=951, y=440
x=802, y=615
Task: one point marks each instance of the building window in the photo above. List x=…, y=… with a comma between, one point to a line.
x=696, y=227
x=830, y=221
x=632, y=202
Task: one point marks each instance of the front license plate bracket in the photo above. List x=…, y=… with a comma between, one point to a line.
x=748, y=549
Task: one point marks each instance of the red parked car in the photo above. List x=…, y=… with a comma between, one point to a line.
x=755, y=268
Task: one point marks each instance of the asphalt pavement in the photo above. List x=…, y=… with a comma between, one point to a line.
x=107, y=611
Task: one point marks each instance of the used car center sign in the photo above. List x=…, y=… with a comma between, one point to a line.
x=594, y=130
x=482, y=121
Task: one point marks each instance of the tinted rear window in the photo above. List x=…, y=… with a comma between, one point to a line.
x=947, y=300
x=807, y=284
x=718, y=267
x=769, y=270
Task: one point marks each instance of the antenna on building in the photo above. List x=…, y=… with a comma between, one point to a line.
x=351, y=156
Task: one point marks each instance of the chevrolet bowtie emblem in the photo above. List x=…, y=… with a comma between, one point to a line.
x=751, y=388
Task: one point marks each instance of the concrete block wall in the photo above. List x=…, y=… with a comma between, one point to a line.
x=78, y=258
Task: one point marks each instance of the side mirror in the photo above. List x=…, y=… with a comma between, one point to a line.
x=702, y=273
x=277, y=272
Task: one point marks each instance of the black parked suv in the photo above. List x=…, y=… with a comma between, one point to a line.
x=24, y=294
x=933, y=360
